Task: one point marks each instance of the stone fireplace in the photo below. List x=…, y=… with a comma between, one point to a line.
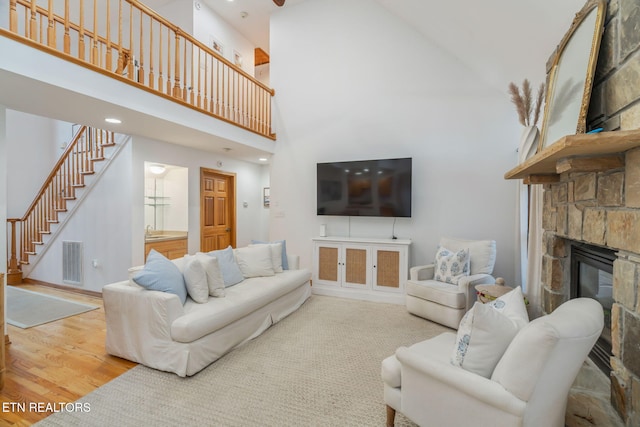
x=602, y=208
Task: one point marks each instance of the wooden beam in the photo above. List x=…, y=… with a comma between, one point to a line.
x=261, y=57
x=541, y=179
x=589, y=164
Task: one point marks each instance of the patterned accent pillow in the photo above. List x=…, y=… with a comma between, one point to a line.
x=483, y=336
x=512, y=305
x=450, y=265
x=486, y=331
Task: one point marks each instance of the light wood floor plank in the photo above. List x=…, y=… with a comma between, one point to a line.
x=56, y=362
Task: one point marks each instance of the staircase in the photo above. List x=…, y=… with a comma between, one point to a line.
x=66, y=182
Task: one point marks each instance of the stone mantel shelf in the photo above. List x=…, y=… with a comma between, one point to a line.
x=582, y=152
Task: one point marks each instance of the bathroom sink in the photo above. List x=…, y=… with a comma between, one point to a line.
x=165, y=236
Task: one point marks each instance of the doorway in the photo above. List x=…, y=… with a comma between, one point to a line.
x=217, y=209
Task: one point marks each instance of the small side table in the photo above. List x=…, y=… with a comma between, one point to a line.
x=488, y=293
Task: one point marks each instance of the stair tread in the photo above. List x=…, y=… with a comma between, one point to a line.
x=87, y=172
x=77, y=185
x=95, y=159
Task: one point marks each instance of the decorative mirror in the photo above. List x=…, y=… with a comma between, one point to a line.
x=571, y=75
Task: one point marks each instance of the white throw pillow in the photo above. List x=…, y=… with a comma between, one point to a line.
x=215, y=281
x=255, y=261
x=450, y=265
x=530, y=348
x=132, y=272
x=481, y=252
x=276, y=255
x=512, y=305
x=483, y=336
x=195, y=278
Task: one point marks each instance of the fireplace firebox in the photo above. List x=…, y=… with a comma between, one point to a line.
x=592, y=277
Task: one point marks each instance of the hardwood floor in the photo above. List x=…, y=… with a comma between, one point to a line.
x=55, y=363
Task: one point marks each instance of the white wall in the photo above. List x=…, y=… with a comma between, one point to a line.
x=207, y=23
x=34, y=148
x=3, y=188
x=3, y=204
x=178, y=12
x=102, y=222
x=383, y=90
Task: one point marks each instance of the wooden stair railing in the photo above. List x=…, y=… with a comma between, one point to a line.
x=77, y=161
x=143, y=49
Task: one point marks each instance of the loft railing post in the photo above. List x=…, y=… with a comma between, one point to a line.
x=131, y=66
x=151, y=75
x=13, y=16
x=81, y=32
x=33, y=24
x=176, y=78
x=108, y=59
x=67, y=36
x=51, y=28
x=140, y=75
x=94, y=44
x=120, y=66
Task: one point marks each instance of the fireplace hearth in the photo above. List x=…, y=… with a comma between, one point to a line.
x=591, y=276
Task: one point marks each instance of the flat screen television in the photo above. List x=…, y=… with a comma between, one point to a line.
x=365, y=188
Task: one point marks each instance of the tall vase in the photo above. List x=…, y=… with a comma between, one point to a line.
x=528, y=143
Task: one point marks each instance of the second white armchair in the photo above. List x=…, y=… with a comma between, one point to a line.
x=443, y=302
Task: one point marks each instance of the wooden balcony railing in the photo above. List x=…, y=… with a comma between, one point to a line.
x=26, y=234
x=131, y=42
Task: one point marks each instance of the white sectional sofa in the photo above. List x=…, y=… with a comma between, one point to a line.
x=155, y=329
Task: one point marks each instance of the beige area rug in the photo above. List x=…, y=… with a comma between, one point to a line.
x=318, y=367
x=26, y=309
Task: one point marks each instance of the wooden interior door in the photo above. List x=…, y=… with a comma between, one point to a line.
x=217, y=210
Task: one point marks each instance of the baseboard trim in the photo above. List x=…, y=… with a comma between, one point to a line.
x=62, y=288
x=363, y=295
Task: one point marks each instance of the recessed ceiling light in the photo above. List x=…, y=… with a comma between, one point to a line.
x=263, y=159
x=156, y=169
x=113, y=120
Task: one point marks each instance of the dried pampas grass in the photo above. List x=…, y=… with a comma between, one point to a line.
x=524, y=102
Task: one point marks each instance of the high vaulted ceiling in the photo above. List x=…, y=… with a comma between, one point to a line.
x=502, y=40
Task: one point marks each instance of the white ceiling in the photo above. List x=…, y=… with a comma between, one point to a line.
x=502, y=40
x=255, y=25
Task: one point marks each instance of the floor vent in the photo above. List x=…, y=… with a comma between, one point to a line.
x=72, y=263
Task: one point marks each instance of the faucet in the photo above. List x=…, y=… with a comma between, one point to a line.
x=147, y=232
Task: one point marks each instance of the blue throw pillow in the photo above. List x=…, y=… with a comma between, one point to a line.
x=231, y=273
x=160, y=274
x=285, y=261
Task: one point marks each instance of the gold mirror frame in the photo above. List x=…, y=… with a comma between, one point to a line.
x=564, y=100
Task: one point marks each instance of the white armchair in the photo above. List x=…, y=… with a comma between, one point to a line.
x=528, y=388
x=446, y=303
